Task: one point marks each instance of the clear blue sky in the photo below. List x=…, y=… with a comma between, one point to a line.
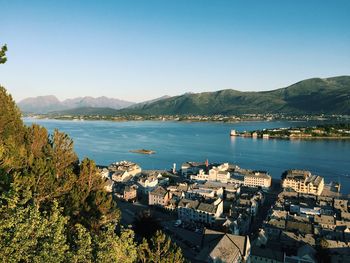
x=142, y=49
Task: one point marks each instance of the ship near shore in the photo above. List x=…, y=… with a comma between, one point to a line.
x=143, y=151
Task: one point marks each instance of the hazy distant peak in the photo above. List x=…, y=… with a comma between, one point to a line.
x=43, y=98
x=45, y=104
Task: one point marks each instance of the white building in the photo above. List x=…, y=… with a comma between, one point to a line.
x=104, y=173
x=195, y=211
x=132, y=168
x=201, y=176
x=219, y=173
x=121, y=176
x=256, y=179
x=191, y=168
x=216, y=174
x=149, y=180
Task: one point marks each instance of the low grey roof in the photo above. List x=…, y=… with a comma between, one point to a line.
x=260, y=175
x=209, y=208
x=188, y=203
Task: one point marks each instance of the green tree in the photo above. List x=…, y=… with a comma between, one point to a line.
x=88, y=202
x=82, y=246
x=12, y=132
x=113, y=248
x=160, y=249
x=3, y=57
x=28, y=235
x=64, y=157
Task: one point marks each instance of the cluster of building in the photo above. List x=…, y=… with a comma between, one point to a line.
x=127, y=181
x=226, y=173
x=297, y=132
x=229, y=203
x=304, y=221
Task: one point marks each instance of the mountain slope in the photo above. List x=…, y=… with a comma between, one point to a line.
x=45, y=104
x=144, y=103
x=86, y=111
x=41, y=104
x=313, y=96
x=96, y=102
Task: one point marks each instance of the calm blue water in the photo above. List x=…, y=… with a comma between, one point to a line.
x=177, y=142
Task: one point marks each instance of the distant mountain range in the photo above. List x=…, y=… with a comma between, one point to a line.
x=311, y=96
x=46, y=104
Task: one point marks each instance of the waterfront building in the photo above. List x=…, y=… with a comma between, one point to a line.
x=200, y=176
x=258, y=178
x=133, y=169
x=190, y=168
x=216, y=174
x=303, y=182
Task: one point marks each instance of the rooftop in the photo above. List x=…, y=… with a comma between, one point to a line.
x=302, y=175
x=209, y=208
x=260, y=174
x=159, y=191
x=188, y=203
x=223, y=246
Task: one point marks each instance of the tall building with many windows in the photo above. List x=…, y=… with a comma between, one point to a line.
x=303, y=182
x=256, y=179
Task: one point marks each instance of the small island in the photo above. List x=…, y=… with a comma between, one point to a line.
x=143, y=151
x=327, y=131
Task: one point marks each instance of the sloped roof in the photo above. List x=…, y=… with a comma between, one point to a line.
x=226, y=247
x=188, y=203
x=209, y=208
x=159, y=191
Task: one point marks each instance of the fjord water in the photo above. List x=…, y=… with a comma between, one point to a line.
x=177, y=142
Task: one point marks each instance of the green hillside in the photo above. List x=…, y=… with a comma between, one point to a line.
x=87, y=111
x=312, y=96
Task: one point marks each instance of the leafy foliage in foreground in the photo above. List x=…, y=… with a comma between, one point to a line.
x=54, y=208
x=160, y=249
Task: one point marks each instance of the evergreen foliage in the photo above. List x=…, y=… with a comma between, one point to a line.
x=3, y=57
x=160, y=250
x=53, y=208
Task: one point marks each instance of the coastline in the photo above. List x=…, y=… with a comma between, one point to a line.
x=209, y=120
